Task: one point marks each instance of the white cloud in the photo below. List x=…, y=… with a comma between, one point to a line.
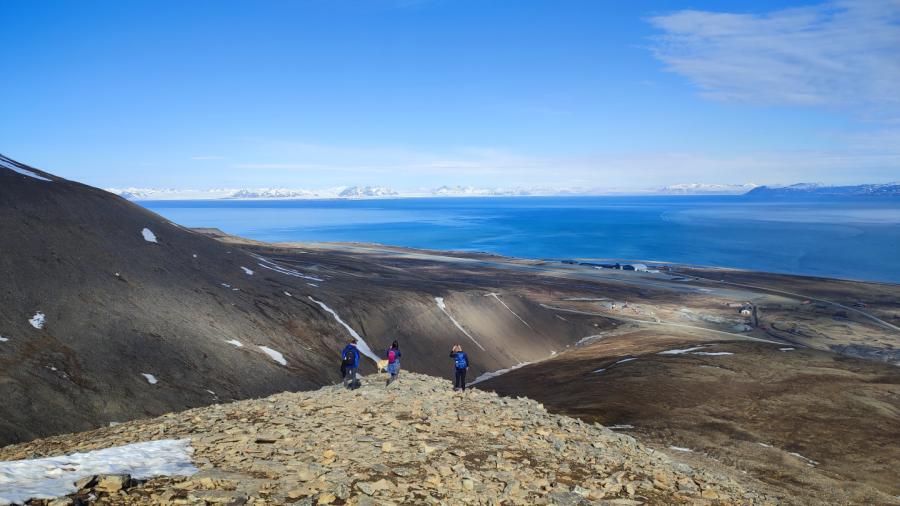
x=859, y=159
x=843, y=54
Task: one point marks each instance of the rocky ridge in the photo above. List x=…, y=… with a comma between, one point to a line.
x=414, y=442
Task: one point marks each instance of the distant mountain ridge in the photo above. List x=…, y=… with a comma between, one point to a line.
x=355, y=192
x=801, y=189
x=707, y=189
x=378, y=192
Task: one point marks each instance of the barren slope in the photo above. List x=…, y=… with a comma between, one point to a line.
x=413, y=443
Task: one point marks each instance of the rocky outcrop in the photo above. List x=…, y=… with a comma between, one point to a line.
x=414, y=442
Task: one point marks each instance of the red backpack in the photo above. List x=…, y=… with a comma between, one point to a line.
x=392, y=357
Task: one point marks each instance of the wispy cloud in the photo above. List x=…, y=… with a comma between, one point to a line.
x=860, y=159
x=843, y=54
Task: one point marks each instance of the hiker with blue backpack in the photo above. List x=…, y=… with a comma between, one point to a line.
x=393, y=358
x=461, y=362
x=350, y=364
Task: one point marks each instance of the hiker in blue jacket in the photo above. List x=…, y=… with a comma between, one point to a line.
x=393, y=358
x=349, y=364
x=461, y=362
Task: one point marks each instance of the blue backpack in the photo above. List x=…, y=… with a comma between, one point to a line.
x=462, y=361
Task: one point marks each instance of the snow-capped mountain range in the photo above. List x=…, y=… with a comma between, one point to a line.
x=341, y=192
x=707, y=189
x=800, y=189
x=381, y=192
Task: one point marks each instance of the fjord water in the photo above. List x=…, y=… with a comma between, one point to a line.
x=855, y=238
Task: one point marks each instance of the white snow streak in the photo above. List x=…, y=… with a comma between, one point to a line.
x=3, y=339
x=37, y=321
x=47, y=478
x=681, y=449
x=443, y=307
x=275, y=355
x=494, y=374
x=712, y=353
x=24, y=172
x=786, y=349
x=810, y=462
x=148, y=234
x=150, y=378
x=494, y=295
x=272, y=266
x=288, y=294
x=622, y=361
x=246, y=271
x=585, y=340
x=361, y=344
x=680, y=352
x=235, y=342
x=620, y=427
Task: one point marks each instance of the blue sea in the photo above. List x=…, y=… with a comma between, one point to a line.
x=855, y=238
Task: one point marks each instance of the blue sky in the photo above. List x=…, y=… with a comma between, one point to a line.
x=419, y=93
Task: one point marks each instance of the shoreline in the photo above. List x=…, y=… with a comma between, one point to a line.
x=475, y=254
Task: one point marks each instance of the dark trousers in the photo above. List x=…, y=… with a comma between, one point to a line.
x=460, y=380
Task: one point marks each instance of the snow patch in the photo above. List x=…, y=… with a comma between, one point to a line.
x=265, y=263
x=23, y=171
x=361, y=344
x=712, y=353
x=494, y=374
x=3, y=339
x=150, y=378
x=235, y=342
x=786, y=349
x=51, y=477
x=275, y=355
x=226, y=285
x=37, y=321
x=681, y=351
x=148, y=234
x=588, y=339
x=620, y=427
x=622, y=361
x=497, y=297
x=288, y=294
x=810, y=462
x=443, y=307
x=681, y=449
x=246, y=271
